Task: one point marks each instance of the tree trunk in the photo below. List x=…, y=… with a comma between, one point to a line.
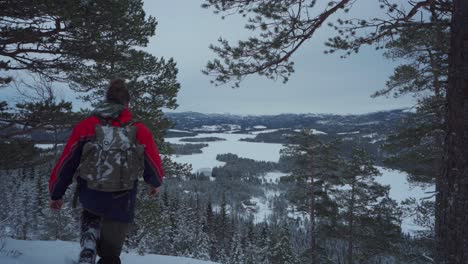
x=313, y=241
x=351, y=224
x=452, y=222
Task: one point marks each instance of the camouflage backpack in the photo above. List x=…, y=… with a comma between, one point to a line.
x=113, y=160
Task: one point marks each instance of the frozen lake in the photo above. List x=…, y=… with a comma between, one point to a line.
x=232, y=144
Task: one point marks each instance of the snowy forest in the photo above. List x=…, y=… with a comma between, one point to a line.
x=381, y=188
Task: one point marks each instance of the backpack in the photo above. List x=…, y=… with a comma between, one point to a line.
x=113, y=160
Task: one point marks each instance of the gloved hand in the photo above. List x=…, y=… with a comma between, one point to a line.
x=56, y=204
x=153, y=191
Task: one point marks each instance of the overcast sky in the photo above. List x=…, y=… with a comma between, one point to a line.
x=321, y=84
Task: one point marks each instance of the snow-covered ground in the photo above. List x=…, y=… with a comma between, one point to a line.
x=263, y=209
x=215, y=128
x=348, y=133
x=44, y=146
x=178, y=130
x=273, y=177
x=232, y=144
x=61, y=252
x=267, y=131
x=313, y=131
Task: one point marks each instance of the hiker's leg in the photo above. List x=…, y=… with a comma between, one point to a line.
x=111, y=241
x=90, y=230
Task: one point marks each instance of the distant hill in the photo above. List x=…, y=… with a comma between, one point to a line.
x=189, y=123
x=378, y=122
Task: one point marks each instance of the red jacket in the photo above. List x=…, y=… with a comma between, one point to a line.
x=62, y=174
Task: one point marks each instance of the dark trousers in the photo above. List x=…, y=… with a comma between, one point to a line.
x=102, y=236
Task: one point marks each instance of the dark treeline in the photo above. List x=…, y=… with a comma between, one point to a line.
x=186, y=149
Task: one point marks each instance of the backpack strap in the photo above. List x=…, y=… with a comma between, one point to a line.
x=108, y=121
x=131, y=122
x=104, y=121
x=76, y=194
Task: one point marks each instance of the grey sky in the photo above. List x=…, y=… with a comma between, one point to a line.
x=321, y=84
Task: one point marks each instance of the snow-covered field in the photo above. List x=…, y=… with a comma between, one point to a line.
x=61, y=252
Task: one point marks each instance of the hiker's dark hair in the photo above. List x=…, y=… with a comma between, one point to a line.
x=118, y=92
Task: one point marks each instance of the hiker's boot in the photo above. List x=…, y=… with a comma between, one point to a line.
x=87, y=256
x=90, y=230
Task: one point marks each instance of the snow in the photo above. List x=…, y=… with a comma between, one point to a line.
x=260, y=127
x=323, y=122
x=267, y=131
x=400, y=189
x=208, y=128
x=263, y=208
x=216, y=128
x=273, y=177
x=60, y=252
x=295, y=214
x=44, y=146
x=178, y=130
x=410, y=110
x=371, y=135
x=263, y=211
x=313, y=131
x=232, y=144
x=348, y=133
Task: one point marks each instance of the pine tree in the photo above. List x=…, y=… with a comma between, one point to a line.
x=167, y=228
x=236, y=252
x=50, y=38
x=263, y=244
x=316, y=174
x=281, y=250
x=209, y=229
x=366, y=208
x=249, y=245
x=223, y=229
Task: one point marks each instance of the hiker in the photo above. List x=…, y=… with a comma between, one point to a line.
x=107, y=153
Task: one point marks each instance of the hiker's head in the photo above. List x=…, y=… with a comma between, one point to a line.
x=118, y=92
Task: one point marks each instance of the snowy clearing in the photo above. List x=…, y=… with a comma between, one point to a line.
x=267, y=131
x=348, y=133
x=60, y=252
x=216, y=128
x=178, y=130
x=44, y=146
x=263, y=209
x=273, y=177
x=312, y=131
x=371, y=135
